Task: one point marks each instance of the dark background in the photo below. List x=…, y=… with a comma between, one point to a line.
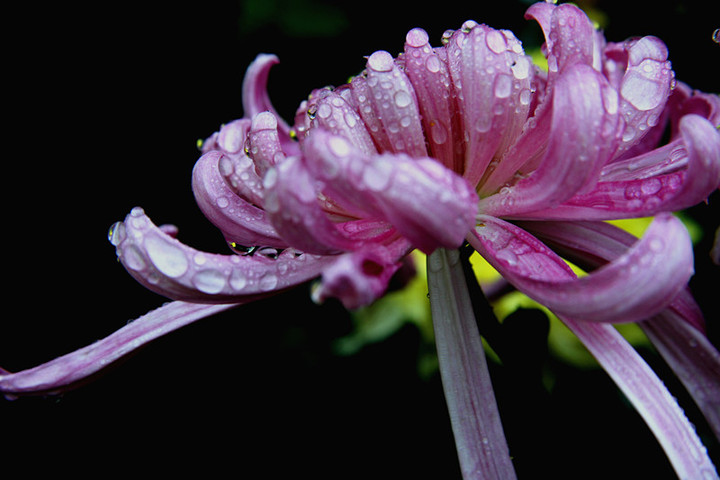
x=103, y=107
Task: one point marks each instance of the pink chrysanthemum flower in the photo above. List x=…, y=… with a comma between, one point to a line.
x=471, y=142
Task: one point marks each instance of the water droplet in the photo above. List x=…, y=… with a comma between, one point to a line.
x=433, y=64
x=339, y=146
x=417, y=37
x=656, y=244
x=521, y=68
x=324, y=110
x=238, y=281
x=438, y=133
x=311, y=112
x=525, y=97
x=169, y=259
x=642, y=92
x=496, y=41
x=716, y=35
x=402, y=99
x=507, y=256
x=380, y=61
x=377, y=175
x=222, y=202
x=209, y=281
x=116, y=234
x=503, y=86
x=268, y=282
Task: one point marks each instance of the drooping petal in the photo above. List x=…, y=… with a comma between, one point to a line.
x=492, y=78
x=427, y=203
x=649, y=396
x=168, y=267
x=635, y=286
x=70, y=370
x=359, y=278
x=394, y=119
x=591, y=245
x=430, y=77
x=582, y=138
x=479, y=437
x=238, y=220
x=650, y=196
x=691, y=357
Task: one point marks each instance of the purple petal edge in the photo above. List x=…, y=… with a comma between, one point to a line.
x=70, y=370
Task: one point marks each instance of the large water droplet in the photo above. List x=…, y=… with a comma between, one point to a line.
x=438, y=133
x=642, y=92
x=209, y=281
x=496, y=41
x=169, y=259
x=433, y=64
x=268, y=282
x=402, y=99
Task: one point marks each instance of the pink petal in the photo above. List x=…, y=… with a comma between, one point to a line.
x=63, y=373
x=635, y=286
x=292, y=205
x=238, y=220
x=650, y=397
x=492, y=78
x=427, y=203
x=168, y=267
x=358, y=278
x=650, y=196
x=430, y=77
x=582, y=139
x=256, y=99
x=394, y=118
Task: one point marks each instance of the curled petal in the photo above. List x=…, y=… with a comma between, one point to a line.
x=68, y=371
x=569, y=35
x=492, y=78
x=255, y=96
x=638, y=284
x=168, y=267
x=428, y=204
x=331, y=111
x=652, y=195
x=583, y=136
x=264, y=143
x=645, y=87
x=239, y=221
x=394, y=119
x=430, y=76
x=358, y=278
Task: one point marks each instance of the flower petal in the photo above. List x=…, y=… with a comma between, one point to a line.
x=291, y=202
x=427, y=203
x=358, y=278
x=649, y=196
x=492, y=78
x=239, y=221
x=637, y=285
x=582, y=138
x=430, y=77
x=479, y=437
x=255, y=96
x=649, y=396
x=394, y=119
x=67, y=371
x=168, y=267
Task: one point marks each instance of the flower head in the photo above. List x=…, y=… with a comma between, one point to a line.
x=438, y=145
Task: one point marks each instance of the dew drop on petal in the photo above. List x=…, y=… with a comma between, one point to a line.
x=238, y=281
x=167, y=258
x=656, y=244
x=402, y=99
x=268, y=282
x=503, y=86
x=438, y=133
x=496, y=41
x=209, y=281
x=433, y=64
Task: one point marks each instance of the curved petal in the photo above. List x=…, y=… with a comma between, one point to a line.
x=70, y=370
x=427, y=203
x=569, y=35
x=168, y=267
x=637, y=285
x=492, y=78
x=263, y=142
x=358, y=278
x=238, y=220
x=650, y=196
x=393, y=118
x=255, y=96
x=649, y=396
x=582, y=138
x=430, y=77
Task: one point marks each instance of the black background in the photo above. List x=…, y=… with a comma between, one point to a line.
x=103, y=106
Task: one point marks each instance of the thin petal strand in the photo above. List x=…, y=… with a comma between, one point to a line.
x=67, y=371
